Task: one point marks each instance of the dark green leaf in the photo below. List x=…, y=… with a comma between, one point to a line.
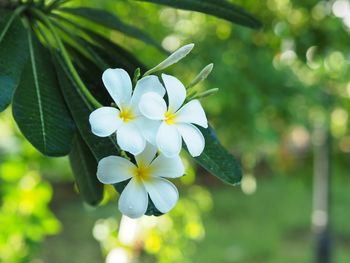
x=84, y=168
x=115, y=54
x=81, y=109
x=111, y=21
x=218, y=8
x=55, y=4
x=216, y=160
x=38, y=105
x=96, y=59
x=13, y=55
x=104, y=51
x=82, y=45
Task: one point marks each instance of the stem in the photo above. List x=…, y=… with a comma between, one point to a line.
x=67, y=59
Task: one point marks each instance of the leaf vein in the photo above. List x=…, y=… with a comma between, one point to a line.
x=37, y=89
x=7, y=26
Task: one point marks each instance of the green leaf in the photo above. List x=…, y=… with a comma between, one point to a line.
x=217, y=160
x=54, y=4
x=81, y=44
x=13, y=55
x=84, y=167
x=103, y=51
x=81, y=109
x=115, y=54
x=218, y=8
x=111, y=21
x=38, y=105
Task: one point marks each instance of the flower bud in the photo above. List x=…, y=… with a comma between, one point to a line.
x=172, y=59
x=136, y=77
x=202, y=75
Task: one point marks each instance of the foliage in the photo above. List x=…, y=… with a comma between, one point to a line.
x=222, y=9
x=298, y=78
x=274, y=85
x=55, y=40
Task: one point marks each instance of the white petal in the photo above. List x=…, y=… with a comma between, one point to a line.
x=152, y=106
x=144, y=85
x=192, y=112
x=167, y=167
x=163, y=194
x=130, y=139
x=104, y=121
x=133, y=201
x=176, y=92
x=148, y=128
x=114, y=169
x=168, y=140
x=147, y=155
x=193, y=138
x=118, y=84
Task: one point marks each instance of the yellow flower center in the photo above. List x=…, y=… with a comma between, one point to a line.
x=170, y=117
x=142, y=173
x=126, y=114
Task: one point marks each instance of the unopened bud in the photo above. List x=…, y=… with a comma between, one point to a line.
x=202, y=75
x=137, y=75
x=172, y=59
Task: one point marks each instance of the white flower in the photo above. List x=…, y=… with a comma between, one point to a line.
x=146, y=179
x=175, y=122
x=132, y=128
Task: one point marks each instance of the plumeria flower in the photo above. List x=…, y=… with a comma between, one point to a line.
x=175, y=122
x=147, y=178
x=132, y=128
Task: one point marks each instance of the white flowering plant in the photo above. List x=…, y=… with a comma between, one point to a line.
x=126, y=129
x=144, y=124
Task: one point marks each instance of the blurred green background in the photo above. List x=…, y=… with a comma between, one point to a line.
x=275, y=85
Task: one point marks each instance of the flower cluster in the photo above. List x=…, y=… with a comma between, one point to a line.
x=152, y=130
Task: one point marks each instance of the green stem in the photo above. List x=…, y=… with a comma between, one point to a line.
x=67, y=59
